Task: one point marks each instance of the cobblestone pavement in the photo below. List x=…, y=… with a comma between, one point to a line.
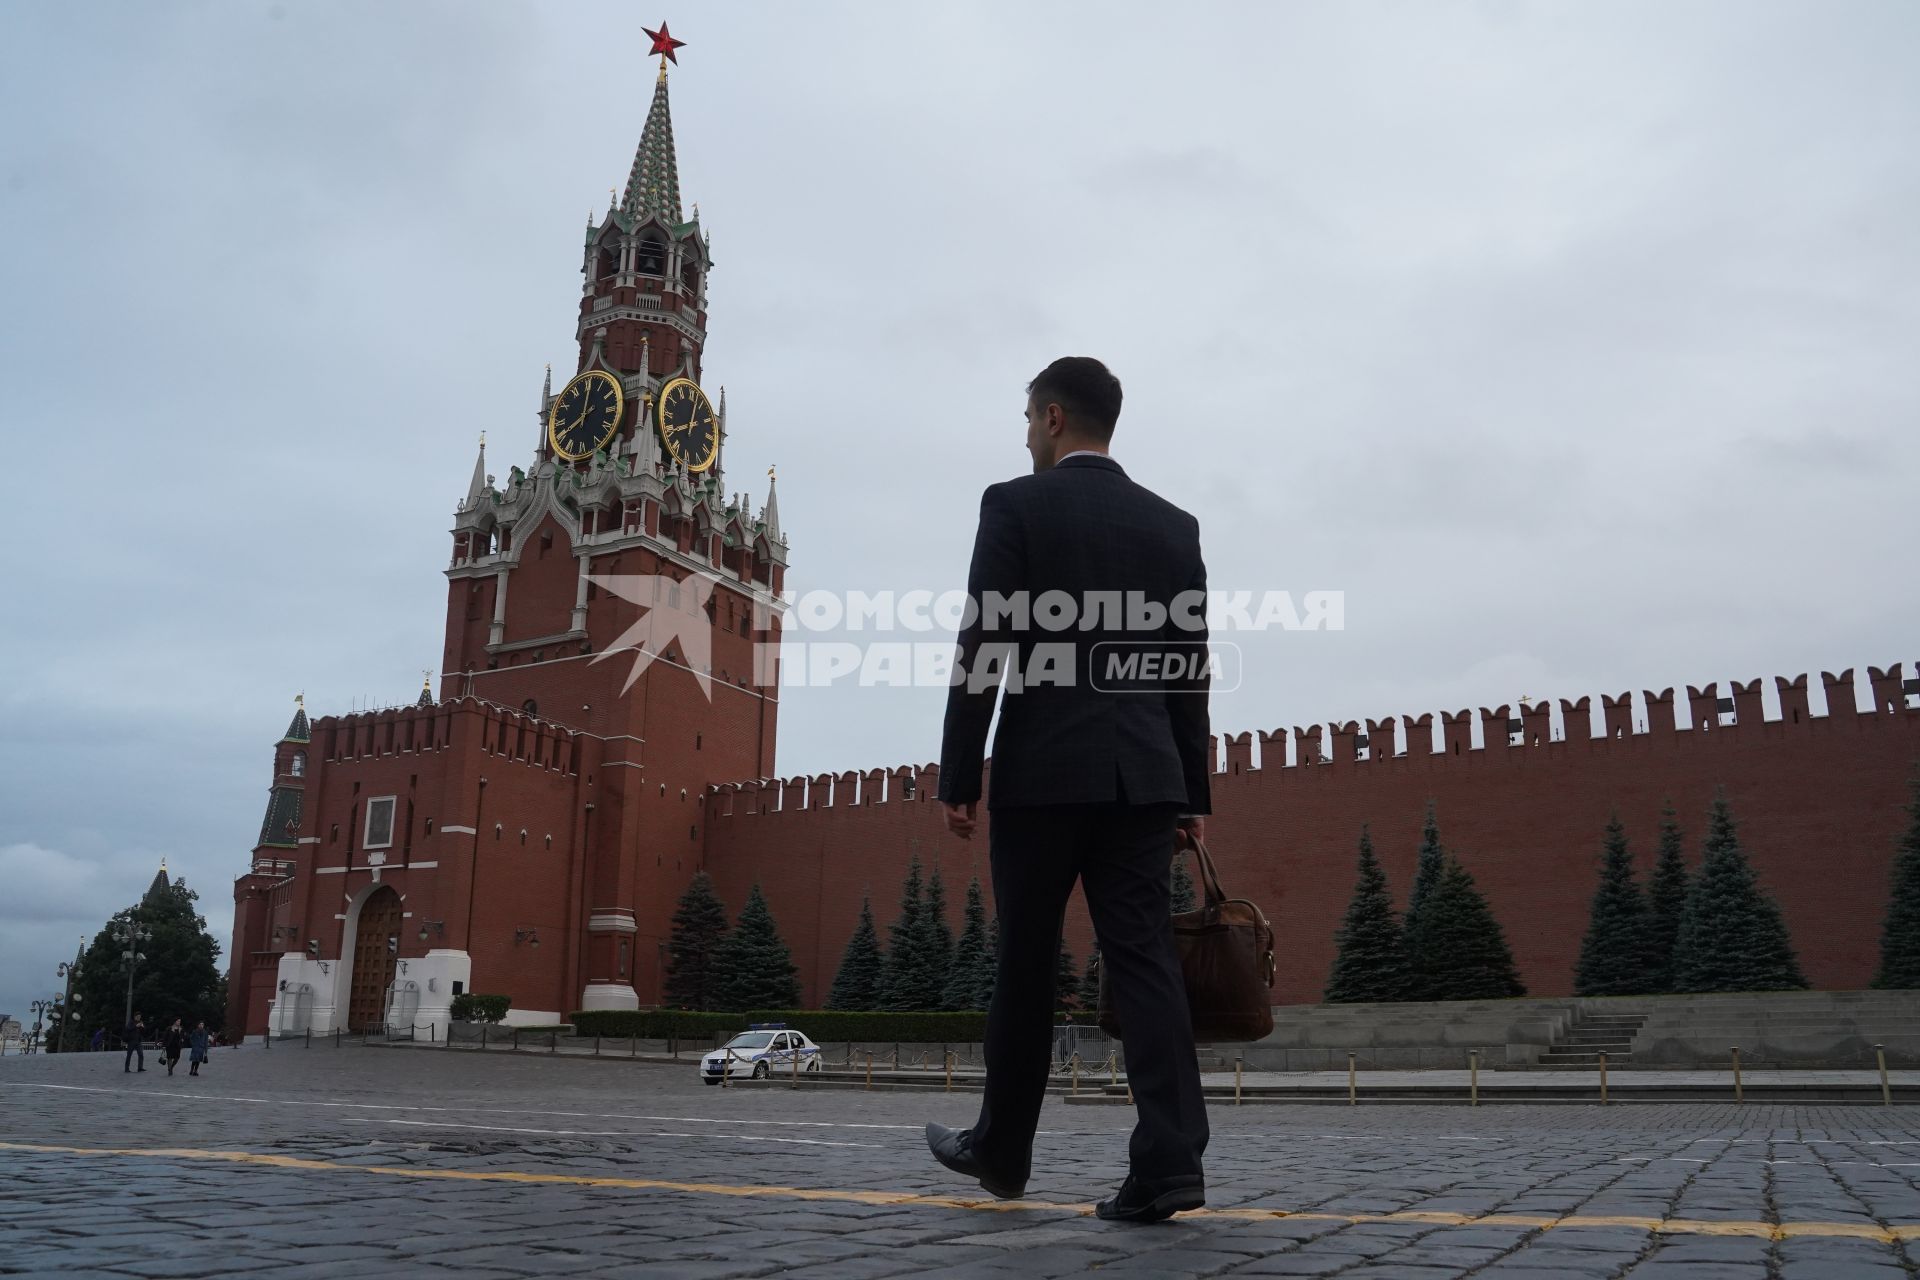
x=369, y=1162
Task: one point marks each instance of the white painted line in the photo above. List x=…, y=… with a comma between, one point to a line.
x=611, y=1133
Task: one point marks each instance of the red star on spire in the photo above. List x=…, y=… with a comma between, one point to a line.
x=664, y=43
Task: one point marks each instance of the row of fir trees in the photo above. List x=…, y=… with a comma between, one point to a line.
x=1686, y=930
x=1714, y=928
x=1448, y=946
x=1711, y=930
x=922, y=967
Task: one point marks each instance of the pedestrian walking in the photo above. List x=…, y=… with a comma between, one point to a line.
x=198, y=1042
x=172, y=1043
x=135, y=1036
x=1094, y=772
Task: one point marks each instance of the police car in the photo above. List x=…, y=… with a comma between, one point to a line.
x=759, y=1052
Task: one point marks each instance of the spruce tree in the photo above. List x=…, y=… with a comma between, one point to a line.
x=1900, y=934
x=1614, y=956
x=1666, y=903
x=912, y=984
x=1066, y=980
x=699, y=926
x=177, y=978
x=1428, y=872
x=1183, y=894
x=1467, y=951
x=752, y=967
x=1090, y=983
x=970, y=978
x=1732, y=936
x=856, y=987
x=938, y=940
x=1370, y=959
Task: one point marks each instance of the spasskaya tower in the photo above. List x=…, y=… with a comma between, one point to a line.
x=610, y=609
x=626, y=482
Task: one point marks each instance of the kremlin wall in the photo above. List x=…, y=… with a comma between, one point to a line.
x=1820, y=801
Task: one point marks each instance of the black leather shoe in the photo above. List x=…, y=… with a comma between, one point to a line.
x=954, y=1149
x=1139, y=1200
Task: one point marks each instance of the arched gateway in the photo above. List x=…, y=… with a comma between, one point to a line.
x=374, y=952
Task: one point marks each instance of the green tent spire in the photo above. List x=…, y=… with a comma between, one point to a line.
x=653, y=187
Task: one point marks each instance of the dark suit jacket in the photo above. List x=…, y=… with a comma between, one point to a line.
x=1085, y=529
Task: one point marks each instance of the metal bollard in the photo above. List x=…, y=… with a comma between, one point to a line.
x=949, y=1057
x=596, y=1044
x=796, y=1067
x=1886, y=1090
x=869, y=1070
x=483, y=1035
x=307, y=1038
x=726, y=1068
x=1073, y=1064
x=1353, y=1083
x=1473, y=1077
x=1738, y=1094
x=1603, y=1079
x=1238, y=1063
x=1113, y=1066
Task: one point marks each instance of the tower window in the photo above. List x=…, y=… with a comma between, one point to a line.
x=650, y=258
x=609, y=264
x=690, y=278
x=299, y=766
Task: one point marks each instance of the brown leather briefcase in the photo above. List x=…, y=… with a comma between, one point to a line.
x=1226, y=956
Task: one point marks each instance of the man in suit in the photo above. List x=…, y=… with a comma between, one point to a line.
x=1095, y=771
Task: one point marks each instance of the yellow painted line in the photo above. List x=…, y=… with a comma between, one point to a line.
x=836, y=1195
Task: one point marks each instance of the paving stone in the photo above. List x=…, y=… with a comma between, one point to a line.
x=188, y=1217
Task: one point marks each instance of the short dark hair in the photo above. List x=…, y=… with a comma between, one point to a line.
x=1085, y=388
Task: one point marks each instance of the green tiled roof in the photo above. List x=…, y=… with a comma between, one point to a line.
x=282, y=820
x=653, y=185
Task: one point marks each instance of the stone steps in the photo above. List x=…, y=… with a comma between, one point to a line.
x=1581, y=1045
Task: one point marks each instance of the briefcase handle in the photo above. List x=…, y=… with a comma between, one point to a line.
x=1209, y=877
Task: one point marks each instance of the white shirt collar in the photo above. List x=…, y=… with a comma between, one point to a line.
x=1082, y=453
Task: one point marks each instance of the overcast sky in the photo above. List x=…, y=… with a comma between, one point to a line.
x=1574, y=343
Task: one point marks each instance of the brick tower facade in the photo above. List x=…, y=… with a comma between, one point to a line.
x=531, y=829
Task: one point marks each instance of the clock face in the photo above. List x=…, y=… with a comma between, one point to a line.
x=585, y=415
x=688, y=426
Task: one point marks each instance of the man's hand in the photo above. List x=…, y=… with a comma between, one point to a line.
x=1189, y=831
x=960, y=819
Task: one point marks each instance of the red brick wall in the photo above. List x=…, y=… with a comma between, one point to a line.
x=1819, y=801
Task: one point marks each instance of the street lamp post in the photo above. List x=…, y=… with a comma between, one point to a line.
x=70, y=969
x=43, y=1011
x=130, y=935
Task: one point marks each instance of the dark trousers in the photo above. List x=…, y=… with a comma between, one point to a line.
x=139, y=1048
x=1122, y=855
